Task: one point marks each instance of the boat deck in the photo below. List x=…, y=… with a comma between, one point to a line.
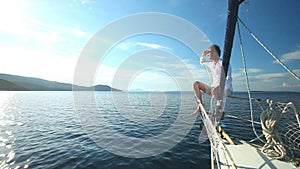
x=247, y=156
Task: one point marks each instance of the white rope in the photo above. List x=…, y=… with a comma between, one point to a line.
x=215, y=139
x=247, y=83
x=264, y=46
x=271, y=119
x=273, y=147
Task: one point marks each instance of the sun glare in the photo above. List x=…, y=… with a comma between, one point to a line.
x=11, y=13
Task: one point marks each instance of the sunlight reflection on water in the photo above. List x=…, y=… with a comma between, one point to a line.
x=42, y=130
x=7, y=138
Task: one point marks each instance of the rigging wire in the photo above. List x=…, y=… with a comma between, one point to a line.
x=273, y=146
x=247, y=83
x=264, y=46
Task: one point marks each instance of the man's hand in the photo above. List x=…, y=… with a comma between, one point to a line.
x=204, y=53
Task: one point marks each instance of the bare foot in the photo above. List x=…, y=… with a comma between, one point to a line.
x=196, y=111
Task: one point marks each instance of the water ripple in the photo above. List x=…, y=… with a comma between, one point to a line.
x=42, y=130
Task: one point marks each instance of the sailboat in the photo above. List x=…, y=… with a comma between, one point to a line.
x=279, y=121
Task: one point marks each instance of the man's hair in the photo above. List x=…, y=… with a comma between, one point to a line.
x=217, y=49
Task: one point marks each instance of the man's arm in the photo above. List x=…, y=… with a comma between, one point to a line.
x=202, y=58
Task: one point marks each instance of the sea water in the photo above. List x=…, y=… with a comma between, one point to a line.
x=52, y=130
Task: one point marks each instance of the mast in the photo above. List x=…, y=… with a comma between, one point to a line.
x=233, y=8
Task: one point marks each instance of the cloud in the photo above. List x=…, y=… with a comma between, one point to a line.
x=249, y=70
x=239, y=75
x=269, y=76
x=252, y=70
x=273, y=76
x=259, y=80
x=297, y=71
x=286, y=86
x=268, y=81
x=105, y=74
x=32, y=32
x=151, y=45
x=290, y=56
x=11, y=12
x=160, y=74
x=123, y=46
x=159, y=56
x=79, y=33
x=24, y=62
x=127, y=79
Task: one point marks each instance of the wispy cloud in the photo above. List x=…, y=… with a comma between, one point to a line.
x=252, y=70
x=127, y=79
x=159, y=56
x=238, y=74
x=151, y=45
x=47, y=65
x=79, y=33
x=290, y=56
x=123, y=46
x=259, y=80
x=287, y=85
x=269, y=76
x=297, y=71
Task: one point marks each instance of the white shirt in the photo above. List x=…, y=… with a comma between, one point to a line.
x=216, y=70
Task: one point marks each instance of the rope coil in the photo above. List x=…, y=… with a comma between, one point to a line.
x=273, y=147
x=280, y=122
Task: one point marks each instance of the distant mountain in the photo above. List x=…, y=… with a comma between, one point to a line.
x=14, y=82
x=102, y=88
x=7, y=85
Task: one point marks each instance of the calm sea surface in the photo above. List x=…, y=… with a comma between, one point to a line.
x=45, y=130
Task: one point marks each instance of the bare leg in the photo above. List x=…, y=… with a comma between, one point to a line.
x=198, y=87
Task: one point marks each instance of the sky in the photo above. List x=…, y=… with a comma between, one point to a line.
x=119, y=46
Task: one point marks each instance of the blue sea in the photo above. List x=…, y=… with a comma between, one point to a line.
x=114, y=130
